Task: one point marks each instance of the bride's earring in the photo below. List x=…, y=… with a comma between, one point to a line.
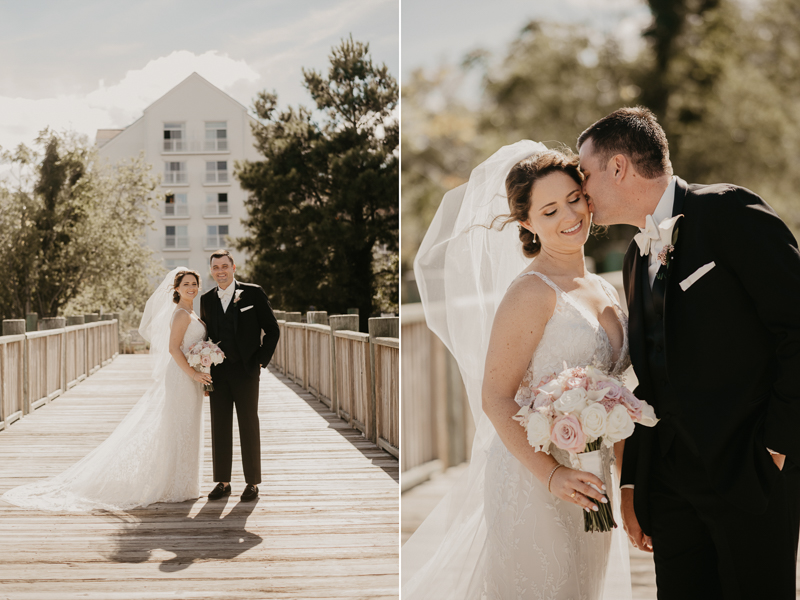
x=534, y=238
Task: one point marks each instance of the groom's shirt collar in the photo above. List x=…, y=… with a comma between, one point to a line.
x=662, y=212
x=665, y=205
x=227, y=291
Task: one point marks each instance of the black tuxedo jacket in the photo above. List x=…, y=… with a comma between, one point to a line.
x=732, y=342
x=248, y=323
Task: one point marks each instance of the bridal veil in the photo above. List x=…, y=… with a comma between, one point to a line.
x=463, y=269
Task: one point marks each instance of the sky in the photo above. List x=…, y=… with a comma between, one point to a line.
x=93, y=64
x=436, y=32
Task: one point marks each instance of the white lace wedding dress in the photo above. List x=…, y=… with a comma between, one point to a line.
x=154, y=454
x=536, y=547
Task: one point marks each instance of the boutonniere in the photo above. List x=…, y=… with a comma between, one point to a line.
x=665, y=256
x=237, y=296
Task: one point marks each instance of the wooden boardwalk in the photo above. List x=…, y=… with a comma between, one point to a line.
x=422, y=499
x=325, y=526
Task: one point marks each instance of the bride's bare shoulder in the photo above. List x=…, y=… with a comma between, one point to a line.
x=529, y=296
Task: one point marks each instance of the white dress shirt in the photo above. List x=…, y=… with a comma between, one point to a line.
x=226, y=295
x=662, y=212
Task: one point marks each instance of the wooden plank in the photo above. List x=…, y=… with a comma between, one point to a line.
x=326, y=524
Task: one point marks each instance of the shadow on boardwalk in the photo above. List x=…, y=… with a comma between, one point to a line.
x=325, y=525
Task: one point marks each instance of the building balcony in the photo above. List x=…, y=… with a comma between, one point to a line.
x=175, y=210
x=216, y=209
x=176, y=242
x=195, y=146
x=176, y=178
x=215, y=242
x=216, y=177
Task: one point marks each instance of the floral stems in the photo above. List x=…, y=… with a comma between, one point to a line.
x=601, y=520
x=208, y=387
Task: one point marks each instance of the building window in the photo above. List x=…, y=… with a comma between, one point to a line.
x=217, y=171
x=174, y=137
x=177, y=237
x=175, y=172
x=216, y=136
x=216, y=205
x=216, y=236
x=176, y=205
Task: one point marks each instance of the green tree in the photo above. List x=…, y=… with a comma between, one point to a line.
x=71, y=230
x=324, y=198
x=724, y=84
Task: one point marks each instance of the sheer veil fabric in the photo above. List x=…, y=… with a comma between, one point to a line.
x=154, y=454
x=463, y=268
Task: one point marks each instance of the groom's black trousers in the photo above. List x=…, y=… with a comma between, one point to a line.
x=706, y=549
x=235, y=386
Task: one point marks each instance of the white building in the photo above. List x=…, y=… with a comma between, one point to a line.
x=191, y=136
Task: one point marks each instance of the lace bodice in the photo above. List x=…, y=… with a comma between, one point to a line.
x=573, y=334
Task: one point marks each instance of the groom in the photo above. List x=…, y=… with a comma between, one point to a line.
x=240, y=320
x=713, y=285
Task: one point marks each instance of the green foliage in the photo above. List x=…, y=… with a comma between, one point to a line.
x=325, y=196
x=723, y=85
x=71, y=230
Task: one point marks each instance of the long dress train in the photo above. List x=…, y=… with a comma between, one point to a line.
x=154, y=454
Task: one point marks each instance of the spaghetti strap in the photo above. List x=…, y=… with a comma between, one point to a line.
x=546, y=279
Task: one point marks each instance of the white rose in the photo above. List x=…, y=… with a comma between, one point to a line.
x=619, y=425
x=649, y=418
x=205, y=351
x=593, y=421
x=571, y=401
x=538, y=429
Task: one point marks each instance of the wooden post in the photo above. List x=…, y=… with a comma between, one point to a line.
x=48, y=323
x=30, y=321
x=338, y=323
x=320, y=317
x=75, y=320
x=378, y=327
x=13, y=326
x=293, y=317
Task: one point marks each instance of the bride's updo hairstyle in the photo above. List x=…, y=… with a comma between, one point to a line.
x=176, y=297
x=519, y=188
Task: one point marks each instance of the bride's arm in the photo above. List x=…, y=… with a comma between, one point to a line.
x=517, y=329
x=180, y=323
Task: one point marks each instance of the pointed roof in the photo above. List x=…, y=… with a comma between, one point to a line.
x=194, y=77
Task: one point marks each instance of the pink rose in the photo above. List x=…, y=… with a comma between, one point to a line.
x=613, y=391
x=567, y=434
x=633, y=404
x=205, y=361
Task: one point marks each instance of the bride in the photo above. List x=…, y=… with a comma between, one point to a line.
x=512, y=527
x=155, y=453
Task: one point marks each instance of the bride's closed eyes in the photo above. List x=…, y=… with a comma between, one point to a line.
x=576, y=199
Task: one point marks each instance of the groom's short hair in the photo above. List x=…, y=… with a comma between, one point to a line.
x=221, y=254
x=634, y=132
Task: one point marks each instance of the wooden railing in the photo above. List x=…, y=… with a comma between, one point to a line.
x=354, y=374
x=437, y=423
x=38, y=366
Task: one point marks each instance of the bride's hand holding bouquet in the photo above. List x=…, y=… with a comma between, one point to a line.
x=579, y=410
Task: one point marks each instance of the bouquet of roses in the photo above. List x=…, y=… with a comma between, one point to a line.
x=201, y=356
x=578, y=410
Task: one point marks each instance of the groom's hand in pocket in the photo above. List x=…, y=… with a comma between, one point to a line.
x=631, y=523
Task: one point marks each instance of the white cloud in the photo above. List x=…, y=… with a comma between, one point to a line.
x=117, y=105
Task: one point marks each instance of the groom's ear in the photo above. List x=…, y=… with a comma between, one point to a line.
x=621, y=167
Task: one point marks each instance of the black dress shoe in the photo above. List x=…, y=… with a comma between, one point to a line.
x=220, y=492
x=250, y=493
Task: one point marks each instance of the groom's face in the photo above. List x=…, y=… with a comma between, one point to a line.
x=222, y=269
x=598, y=186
